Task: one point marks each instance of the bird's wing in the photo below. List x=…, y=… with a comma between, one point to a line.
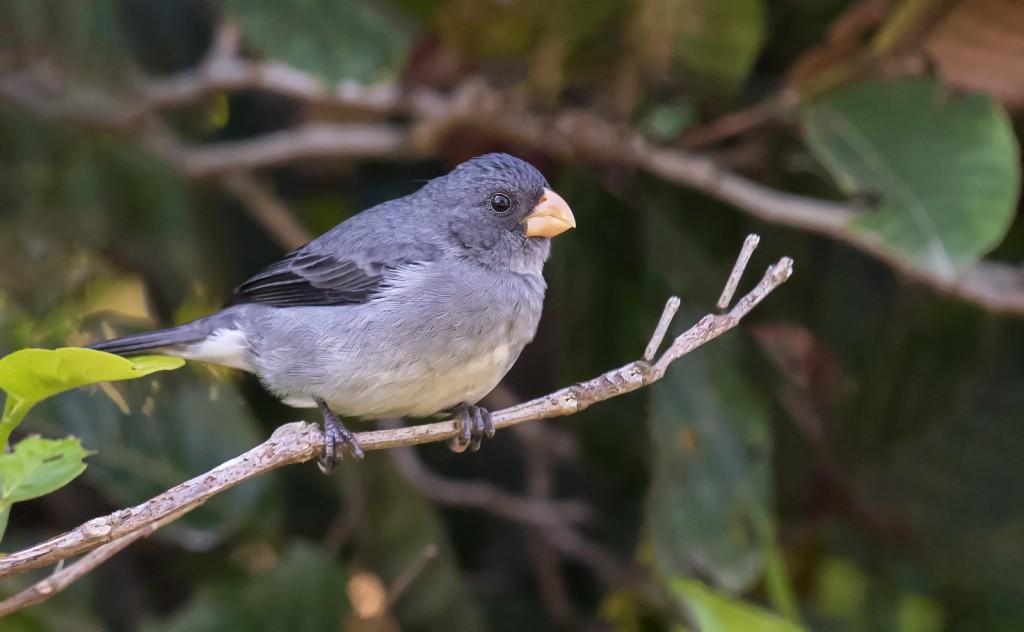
x=315, y=277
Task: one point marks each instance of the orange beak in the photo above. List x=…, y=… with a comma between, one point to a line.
x=550, y=217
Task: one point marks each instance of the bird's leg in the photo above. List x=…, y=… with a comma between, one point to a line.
x=337, y=439
x=474, y=424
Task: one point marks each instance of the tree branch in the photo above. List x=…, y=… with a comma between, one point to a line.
x=299, y=441
x=995, y=286
x=64, y=577
x=475, y=107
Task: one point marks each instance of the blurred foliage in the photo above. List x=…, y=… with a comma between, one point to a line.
x=848, y=461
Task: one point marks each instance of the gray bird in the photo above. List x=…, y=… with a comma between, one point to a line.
x=414, y=307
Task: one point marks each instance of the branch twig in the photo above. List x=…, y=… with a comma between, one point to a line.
x=749, y=245
x=299, y=441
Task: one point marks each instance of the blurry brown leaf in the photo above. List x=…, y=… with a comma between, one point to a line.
x=369, y=599
x=976, y=45
x=980, y=46
x=368, y=595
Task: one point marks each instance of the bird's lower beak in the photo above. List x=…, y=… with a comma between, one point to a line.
x=550, y=217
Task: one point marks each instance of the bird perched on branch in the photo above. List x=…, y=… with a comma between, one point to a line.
x=413, y=307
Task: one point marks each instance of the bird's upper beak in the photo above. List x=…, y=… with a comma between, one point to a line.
x=550, y=217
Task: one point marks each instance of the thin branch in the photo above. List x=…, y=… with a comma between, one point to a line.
x=65, y=576
x=411, y=572
x=737, y=123
x=482, y=495
x=749, y=246
x=355, y=141
x=224, y=70
x=547, y=562
x=291, y=443
x=269, y=212
x=299, y=441
x=658, y=337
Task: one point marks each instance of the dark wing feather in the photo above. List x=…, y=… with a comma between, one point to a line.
x=306, y=277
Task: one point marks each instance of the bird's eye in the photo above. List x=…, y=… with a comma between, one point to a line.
x=501, y=203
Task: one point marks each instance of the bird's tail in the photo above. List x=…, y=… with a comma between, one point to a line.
x=215, y=338
x=170, y=340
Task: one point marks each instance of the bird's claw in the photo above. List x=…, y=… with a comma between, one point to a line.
x=337, y=441
x=475, y=423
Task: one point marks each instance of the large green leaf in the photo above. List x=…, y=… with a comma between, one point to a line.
x=711, y=489
x=709, y=508
x=946, y=168
x=717, y=612
x=31, y=375
x=335, y=39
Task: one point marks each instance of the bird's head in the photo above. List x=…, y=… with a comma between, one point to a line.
x=503, y=210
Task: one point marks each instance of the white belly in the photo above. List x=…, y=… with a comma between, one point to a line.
x=419, y=388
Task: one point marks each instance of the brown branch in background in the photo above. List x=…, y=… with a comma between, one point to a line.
x=569, y=135
x=547, y=562
x=355, y=141
x=299, y=441
x=224, y=70
x=481, y=495
x=267, y=210
x=472, y=106
x=737, y=123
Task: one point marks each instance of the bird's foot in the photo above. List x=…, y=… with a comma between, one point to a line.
x=337, y=440
x=474, y=424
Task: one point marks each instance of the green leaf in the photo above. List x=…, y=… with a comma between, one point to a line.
x=35, y=374
x=717, y=612
x=31, y=375
x=946, y=168
x=38, y=466
x=305, y=592
x=332, y=39
x=35, y=468
x=709, y=508
x=710, y=492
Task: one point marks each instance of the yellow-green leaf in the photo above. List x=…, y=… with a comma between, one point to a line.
x=31, y=375
x=717, y=612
